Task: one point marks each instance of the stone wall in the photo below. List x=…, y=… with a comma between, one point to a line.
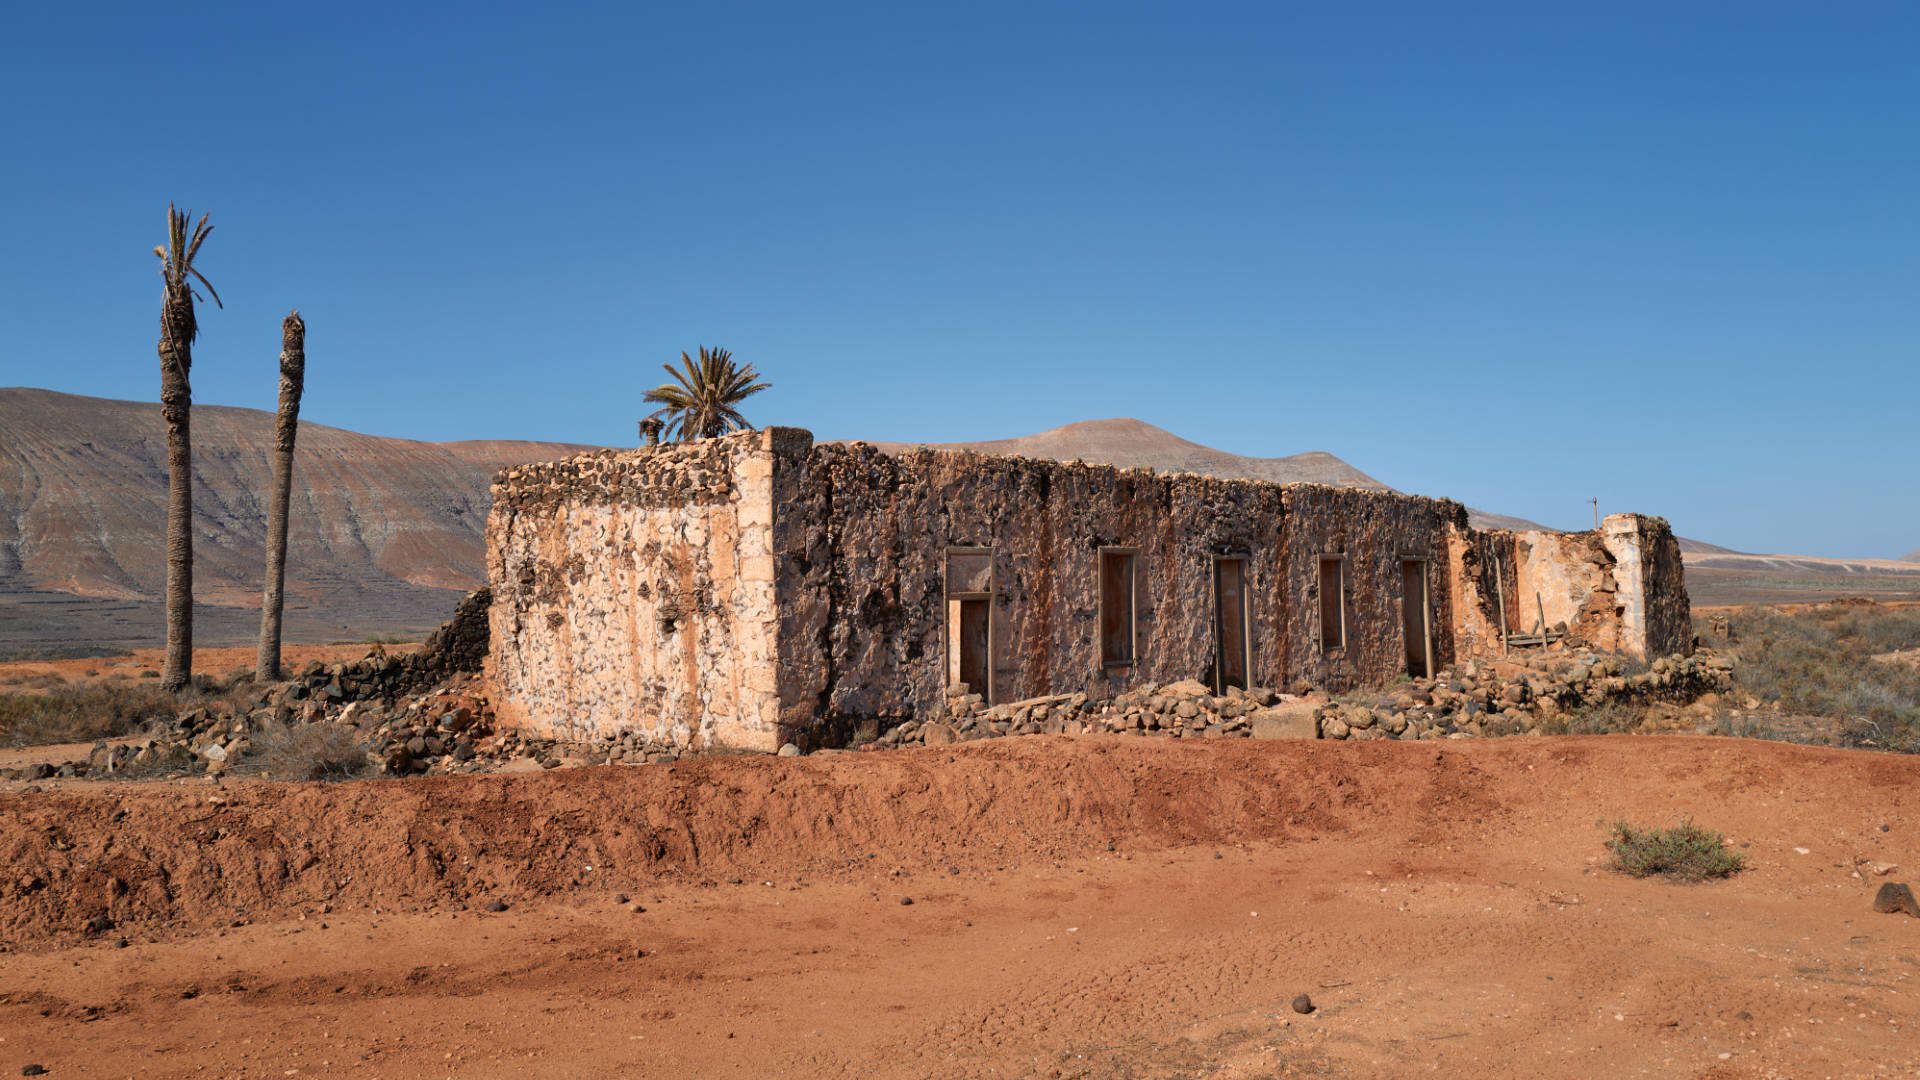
x=634, y=590
x=1657, y=618
x=743, y=592
x=1619, y=588
x=1372, y=533
x=863, y=539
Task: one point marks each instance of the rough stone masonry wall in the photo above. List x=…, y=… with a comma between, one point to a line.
x=1620, y=588
x=1656, y=612
x=1571, y=578
x=1372, y=532
x=862, y=540
x=863, y=537
x=738, y=593
x=633, y=591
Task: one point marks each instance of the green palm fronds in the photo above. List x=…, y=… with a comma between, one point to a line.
x=701, y=401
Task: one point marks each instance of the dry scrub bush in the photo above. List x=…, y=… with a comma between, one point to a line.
x=1609, y=717
x=1685, y=852
x=63, y=714
x=1820, y=662
x=307, y=752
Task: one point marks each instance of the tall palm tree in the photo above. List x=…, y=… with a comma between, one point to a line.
x=700, y=402
x=293, y=377
x=177, y=331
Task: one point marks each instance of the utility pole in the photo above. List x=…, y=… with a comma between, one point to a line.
x=1596, y=513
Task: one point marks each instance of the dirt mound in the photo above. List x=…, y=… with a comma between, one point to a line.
x=194, y=853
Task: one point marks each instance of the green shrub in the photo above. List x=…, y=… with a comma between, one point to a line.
x=1685, y=852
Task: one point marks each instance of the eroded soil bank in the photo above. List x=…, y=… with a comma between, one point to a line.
x=1081, y=907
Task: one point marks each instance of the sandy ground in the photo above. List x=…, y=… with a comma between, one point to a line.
x=1091, y=907
x=15, y=673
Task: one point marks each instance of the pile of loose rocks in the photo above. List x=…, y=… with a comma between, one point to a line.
x=446, y=729
x=415, y=712
x=409, y=727
x=1485, y=698
x=1476, y=699
x=1187, y=709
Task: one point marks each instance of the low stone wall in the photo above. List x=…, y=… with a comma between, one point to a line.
x=1488, y=699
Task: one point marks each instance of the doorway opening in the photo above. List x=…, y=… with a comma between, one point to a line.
x=1416, y=617
x=970, y=619
x=967, y=633
x=1230, y=653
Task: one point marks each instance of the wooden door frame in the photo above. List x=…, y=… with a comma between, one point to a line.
x=1246, y=620
x=1426, y=604
x=1133, y=607
x=948, y=595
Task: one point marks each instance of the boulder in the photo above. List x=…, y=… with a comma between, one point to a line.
x=1292, y=721
x=1893, y=897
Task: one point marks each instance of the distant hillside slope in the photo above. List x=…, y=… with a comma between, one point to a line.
x=1131, y=443
x=383, y=533
x=1724, y=580
x=1911, y=556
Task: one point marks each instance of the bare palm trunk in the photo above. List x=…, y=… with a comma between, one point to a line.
x=293, y=377
x=176, y=403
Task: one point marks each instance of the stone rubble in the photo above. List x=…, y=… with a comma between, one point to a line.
x=1476, y=699
x=429, y=713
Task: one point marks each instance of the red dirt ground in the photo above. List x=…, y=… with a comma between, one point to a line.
x=1082, y=907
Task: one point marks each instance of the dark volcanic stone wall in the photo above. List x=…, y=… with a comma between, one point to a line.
x=1374, y=531
x=748, y=591
x=1669, y=613
x=862, y=537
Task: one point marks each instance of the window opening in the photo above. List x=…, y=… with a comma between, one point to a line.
x=1333, y=604
x=1116, y=607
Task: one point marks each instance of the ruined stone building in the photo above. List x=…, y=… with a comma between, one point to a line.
x=751, y=590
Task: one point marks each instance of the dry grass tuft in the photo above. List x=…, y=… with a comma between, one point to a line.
x=64, y=714
x=307, y=752
x=1822, y=662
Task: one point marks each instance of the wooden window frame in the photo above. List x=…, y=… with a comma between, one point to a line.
x=1133, y=607
x=1320, y=609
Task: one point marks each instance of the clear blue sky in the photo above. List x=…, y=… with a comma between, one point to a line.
x=1665, y=255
